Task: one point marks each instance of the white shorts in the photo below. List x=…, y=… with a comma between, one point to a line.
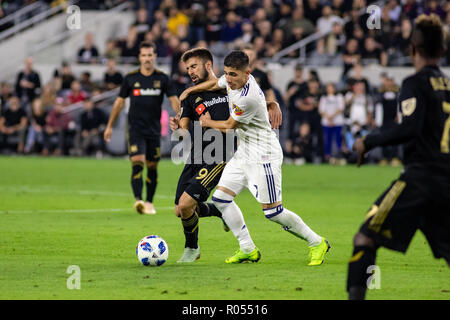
x=262, y=179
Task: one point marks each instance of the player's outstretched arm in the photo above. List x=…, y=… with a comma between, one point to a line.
x=175, y=102
x=210, y=85
x=117, y=108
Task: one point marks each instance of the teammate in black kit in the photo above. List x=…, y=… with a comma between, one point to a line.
x=146, y=88
x=420, y=197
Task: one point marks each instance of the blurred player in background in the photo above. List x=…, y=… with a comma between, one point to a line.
x=419, y=198
x=146, y=88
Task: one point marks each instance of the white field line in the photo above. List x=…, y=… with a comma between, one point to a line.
x=75, y=210
x=46, y=189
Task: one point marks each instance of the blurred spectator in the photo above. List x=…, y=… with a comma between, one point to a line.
x=351, y=55
x=388, y=95
x=112, y=78
x=411, y=9
x=372, y=53
x=58, y=129
x=298, y=21
x=295, y=89
x=86, y=83
x=308, y=106
x=358, y=113
x=178, y=23
x=13, y=126
x=6, y=92
x=232, y=28
x=213, y=29
x=402, y=42
x=301, y=149
x=92, y=125
x=356, y=74
x=197, y=23
x=111, y=50
x=76, y=94
x=313, y=10
x=88, y=53
x=327, y=20
x=48, y=97
x=394, y=10
x=331, y=109
x=35, y=137
x=247, y=34
x=28, y=83
x=66, y=76
x=276, y=44
x=129, y=47
x=141, y=23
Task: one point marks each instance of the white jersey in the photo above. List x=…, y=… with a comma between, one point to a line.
x=258, y=143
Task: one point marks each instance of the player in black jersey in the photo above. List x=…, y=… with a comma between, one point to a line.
x=202, y=171
x=146, y=88
x=420, y=197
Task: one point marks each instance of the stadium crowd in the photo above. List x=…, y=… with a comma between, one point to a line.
x=322, y=119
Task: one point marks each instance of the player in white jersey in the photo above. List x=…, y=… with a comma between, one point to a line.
x=256, y=164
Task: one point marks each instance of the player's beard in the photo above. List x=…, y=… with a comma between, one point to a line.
x=202, y=77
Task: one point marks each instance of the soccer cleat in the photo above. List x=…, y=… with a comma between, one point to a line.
x=149, y=208
x=317, y=253
x=240, y=256
x=139, y=206
x=190, y=255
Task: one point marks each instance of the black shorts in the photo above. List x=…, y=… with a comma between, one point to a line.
x=197, y=180
x=418, y=200
x=140, y=144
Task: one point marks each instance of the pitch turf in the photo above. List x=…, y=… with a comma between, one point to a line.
x=58, y=212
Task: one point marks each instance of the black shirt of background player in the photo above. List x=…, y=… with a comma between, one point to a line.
x=146, y=97
x=422, y=126
x=214, y=102
x=262, y=80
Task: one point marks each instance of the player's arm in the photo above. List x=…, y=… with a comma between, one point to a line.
x=275, y=115
x=119, y=104
x=210, y=85
x=175, y=102
x=222, y=125
x=412, y=109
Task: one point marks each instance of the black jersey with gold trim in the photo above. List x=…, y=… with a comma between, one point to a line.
x=146, y=95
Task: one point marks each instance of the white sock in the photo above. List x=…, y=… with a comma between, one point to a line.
x=292, y=223
x=233, y=217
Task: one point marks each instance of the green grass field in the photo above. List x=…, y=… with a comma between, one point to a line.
x=58, y=212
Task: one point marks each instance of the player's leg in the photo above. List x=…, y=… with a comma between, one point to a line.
x=223, y=198
x=266, y=179
x=153, y=155
x=189, y=219
x=391, y=222
x=136, y=151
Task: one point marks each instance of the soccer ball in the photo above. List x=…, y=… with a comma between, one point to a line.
x=152, y=251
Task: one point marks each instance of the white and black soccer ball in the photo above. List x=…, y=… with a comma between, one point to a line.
x=152, y=251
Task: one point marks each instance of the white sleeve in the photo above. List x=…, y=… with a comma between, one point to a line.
x=222, y=82
x=243, y=110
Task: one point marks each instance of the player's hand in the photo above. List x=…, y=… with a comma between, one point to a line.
x=174, y=122
x=359, y=147
x=204, y=119
x=275, y=115
x=107, y=134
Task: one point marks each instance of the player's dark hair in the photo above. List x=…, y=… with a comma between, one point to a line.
x=428, y=37
x=147, y=44
x=236, y=59
x=201, y=53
